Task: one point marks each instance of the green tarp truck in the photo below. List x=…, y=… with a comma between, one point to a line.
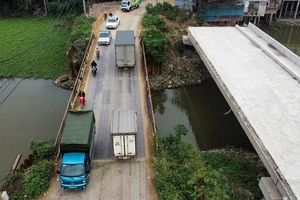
x=76, y=147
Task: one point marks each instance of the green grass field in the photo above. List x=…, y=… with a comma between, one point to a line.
x=33, y=47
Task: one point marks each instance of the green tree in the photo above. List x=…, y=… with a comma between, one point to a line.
x=156, y=45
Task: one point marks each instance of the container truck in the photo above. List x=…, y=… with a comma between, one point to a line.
x=76, y=147
x=128, y=5
x=123, y=133
x=125, y=49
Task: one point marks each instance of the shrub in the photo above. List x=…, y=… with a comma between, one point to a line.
x=151, y=21
x=37, y=180
x=15, y=176
x=82, y=28
x=156, y=45
x=42, y=149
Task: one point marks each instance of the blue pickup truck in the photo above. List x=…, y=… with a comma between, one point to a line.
x=76, y=147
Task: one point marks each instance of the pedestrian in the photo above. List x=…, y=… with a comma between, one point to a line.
x=83, y=95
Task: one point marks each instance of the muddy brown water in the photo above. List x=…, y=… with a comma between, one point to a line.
x=30, y=109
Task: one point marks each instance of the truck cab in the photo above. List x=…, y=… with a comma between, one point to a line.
x=74, y=171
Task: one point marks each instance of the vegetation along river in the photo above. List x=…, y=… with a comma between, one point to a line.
x=201, y=107
x=30, y=109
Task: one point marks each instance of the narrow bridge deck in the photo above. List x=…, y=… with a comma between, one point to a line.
x=263, y=95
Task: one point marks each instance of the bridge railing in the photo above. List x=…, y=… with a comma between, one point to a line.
x=74, y=94
x=148, y=90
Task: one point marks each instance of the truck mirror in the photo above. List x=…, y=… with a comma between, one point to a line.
x=57, y=171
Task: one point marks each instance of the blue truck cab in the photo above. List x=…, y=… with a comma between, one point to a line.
x=76, y=148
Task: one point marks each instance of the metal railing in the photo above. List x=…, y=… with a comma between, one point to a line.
x=74, y=94
x=148, y=90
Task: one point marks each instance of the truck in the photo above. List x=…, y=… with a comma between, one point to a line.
x=125, y=49
x=123, y=134
x=76, y=148
x=128, y=5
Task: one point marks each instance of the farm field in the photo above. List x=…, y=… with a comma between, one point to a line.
x=33, y=47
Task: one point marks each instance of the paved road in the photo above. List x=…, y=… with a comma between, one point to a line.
x=114, y=88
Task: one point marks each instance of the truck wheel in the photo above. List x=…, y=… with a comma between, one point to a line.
x=137, y=6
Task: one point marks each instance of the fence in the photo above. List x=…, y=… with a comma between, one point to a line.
x=148, y=90
x=74, y=94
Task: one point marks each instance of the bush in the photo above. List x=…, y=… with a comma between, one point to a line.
x=151, y=21
x=15, y=176
x=37, y=180
x=156, y=45
x=42, y=149
x=82, y=28
x=183, y=172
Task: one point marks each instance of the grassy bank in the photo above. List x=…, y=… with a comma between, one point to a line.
x=183, y=172
x=33, y=47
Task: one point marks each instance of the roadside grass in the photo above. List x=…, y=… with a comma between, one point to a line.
x=33, y=48
x=184, y=172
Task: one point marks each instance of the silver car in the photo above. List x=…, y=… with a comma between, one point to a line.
x=104, y=37
x=113, y=22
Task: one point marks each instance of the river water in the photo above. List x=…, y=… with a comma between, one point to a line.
x=201, y=107
x=29, y=109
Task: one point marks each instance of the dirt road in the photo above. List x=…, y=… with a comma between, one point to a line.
x=115, y=89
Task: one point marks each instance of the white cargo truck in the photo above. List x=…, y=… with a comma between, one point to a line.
x=123, y=133
x=125, y=49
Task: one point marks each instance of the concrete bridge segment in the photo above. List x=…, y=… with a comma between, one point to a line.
x=259, y=78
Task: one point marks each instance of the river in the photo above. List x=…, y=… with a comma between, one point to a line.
x=201, y=107
x=29, y=109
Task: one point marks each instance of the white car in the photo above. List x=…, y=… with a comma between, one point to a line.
x=113, y=22
x=104, y=37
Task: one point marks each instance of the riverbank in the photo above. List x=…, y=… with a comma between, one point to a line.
x=186, y=69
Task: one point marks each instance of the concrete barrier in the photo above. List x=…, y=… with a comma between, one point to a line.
x=276, y=45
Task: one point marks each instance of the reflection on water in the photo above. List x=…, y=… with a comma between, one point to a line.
x=201, y=109
x=289, y=36
x=30, y=109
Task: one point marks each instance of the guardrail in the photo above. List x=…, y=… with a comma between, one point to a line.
x=74, y=94
x=148, y=90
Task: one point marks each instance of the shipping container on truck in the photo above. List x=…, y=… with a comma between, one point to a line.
x=123, y=133
x=125, y=49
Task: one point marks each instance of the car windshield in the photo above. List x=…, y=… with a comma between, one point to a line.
x=72, y=170
x=112, y=20
x=124, y=3
x=104, y=35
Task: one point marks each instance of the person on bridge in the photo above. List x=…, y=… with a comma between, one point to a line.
x=93, y=64
x=97, y=52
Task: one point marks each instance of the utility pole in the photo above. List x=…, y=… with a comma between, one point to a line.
x=45, y=4
x=84, y=10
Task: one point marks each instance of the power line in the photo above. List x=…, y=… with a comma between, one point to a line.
x=44, y=38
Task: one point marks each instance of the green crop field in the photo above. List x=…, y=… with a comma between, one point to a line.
x=33, y=47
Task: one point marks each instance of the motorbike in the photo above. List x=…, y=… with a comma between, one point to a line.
x=94, y=71
x=105, y=16
x=98, y=55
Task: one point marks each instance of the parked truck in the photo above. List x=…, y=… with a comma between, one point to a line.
x=125, y=49
x=123, y=133
x=128, y=5
x=76, y=147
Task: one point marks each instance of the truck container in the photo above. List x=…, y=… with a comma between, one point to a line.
x=76, y=147
x=125, y=49
x=123, y=133
x=128, y=5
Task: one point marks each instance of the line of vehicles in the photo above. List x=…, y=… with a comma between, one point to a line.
x=79, y=131
x=77, y=144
